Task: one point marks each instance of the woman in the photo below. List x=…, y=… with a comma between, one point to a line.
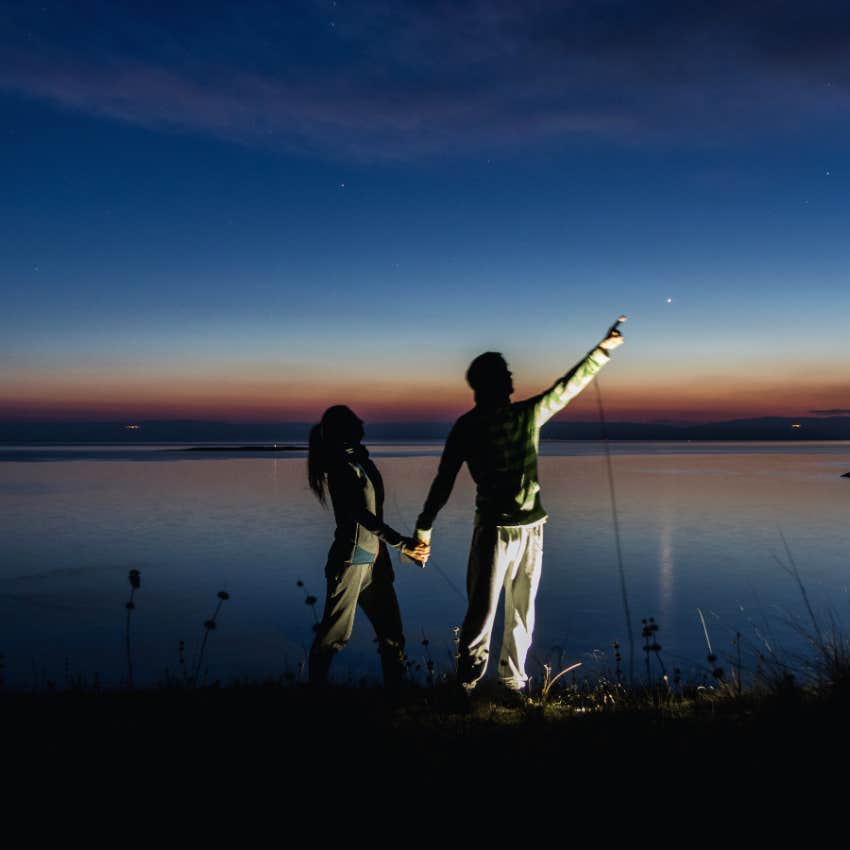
x=358, y=570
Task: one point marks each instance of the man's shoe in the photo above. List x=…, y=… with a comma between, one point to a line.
x=514, y=697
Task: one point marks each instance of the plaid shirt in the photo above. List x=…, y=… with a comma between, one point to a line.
x=500, y=447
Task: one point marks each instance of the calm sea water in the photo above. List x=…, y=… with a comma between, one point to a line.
x=699, y=527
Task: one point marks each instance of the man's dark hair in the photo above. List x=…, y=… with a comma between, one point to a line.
x=489, y=377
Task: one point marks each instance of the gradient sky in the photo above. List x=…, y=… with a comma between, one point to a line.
x=251, y=211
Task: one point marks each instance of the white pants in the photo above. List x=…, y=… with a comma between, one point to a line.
x=508, y=556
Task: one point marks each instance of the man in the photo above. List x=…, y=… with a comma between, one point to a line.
x=499, y=442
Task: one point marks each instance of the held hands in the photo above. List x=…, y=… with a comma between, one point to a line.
x=416, y=550
x=613, y=339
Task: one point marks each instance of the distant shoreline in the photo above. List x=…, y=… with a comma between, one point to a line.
x=275, y=448
x=291, y=434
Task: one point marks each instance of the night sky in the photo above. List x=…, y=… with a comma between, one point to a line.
x=251, y=211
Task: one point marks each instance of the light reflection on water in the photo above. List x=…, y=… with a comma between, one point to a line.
x=699, y=528
x=665, y=561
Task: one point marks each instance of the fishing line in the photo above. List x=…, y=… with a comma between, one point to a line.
x=448, y=581
x=615, y=517
x=440, y=572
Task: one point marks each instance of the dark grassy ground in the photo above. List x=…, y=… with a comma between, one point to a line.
x=345, y=763
x=424, y=729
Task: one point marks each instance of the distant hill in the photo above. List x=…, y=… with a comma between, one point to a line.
x=189, y=431
x=764, y=428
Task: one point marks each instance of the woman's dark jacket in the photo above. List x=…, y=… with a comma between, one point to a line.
x=357, y=495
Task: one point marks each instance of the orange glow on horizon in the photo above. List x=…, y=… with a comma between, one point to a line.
x=302, y=400
x=631, y=391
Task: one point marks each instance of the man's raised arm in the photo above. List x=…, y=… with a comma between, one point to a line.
x=558, y=396
x=441, y=488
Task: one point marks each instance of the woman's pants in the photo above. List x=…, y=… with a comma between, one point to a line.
x=370, y=586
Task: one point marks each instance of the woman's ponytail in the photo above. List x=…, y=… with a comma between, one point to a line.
x=339, y=428
x=317, y=463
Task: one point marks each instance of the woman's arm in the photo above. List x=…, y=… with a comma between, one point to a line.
x=347, y=491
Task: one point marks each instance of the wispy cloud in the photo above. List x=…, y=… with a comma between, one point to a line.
x=380, y=78
x=834, y=411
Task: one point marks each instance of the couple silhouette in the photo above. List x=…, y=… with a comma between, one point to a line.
x=498, y=440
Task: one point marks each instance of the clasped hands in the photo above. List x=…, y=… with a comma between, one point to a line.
x=416, y=549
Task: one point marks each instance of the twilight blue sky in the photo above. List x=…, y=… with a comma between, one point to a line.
x=251, y=211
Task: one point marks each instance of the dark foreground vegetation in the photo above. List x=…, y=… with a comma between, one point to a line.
x=760, y=736
x=590, y=733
